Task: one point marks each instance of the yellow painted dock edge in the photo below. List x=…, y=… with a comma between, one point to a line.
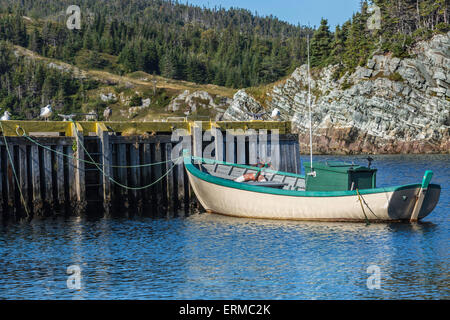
x=87, y=127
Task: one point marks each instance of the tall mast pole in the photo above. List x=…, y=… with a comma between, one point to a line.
x=309, y=106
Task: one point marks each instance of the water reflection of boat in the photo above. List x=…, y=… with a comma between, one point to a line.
x=328, y=192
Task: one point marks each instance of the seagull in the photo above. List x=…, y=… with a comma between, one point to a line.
x=67, y=116
x=275, y=114
x=6, y=116
x=107, y=113
x=46, y=112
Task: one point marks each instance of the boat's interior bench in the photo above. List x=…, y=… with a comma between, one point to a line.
x=267, y=184
x=275, y=180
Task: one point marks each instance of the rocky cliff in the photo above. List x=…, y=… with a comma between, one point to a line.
x=390, y=105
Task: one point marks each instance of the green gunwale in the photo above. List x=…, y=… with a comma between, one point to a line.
x=212, y=161
x=242, y=186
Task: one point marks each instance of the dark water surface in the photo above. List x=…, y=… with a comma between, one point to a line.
x=214, y=257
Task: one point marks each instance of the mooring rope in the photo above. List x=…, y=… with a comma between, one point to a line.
x=87, y=161
x=368, y=206
x=118, y=183
x=359, y=198
x=93, y=162
x=14, y=171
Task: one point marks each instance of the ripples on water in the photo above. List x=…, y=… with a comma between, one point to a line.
x=214, y=257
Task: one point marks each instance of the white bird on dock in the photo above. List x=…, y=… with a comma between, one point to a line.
x=107, y=113
x=275, y=114
x=46, y=112
x=6, y=116
x=67, y=117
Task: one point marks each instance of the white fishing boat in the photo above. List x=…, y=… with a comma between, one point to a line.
x=351, y=195
x=327, y=192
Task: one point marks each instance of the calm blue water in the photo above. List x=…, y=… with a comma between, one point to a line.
x=214, y=257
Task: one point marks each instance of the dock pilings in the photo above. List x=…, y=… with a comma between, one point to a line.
x=124, y=168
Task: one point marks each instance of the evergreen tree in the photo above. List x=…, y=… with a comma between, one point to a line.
x=321, y=44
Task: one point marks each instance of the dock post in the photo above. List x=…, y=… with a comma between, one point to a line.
x=72, y=190
x=135, y=176
x=218, y=142
x=284, y=155
x=240, y=146
x=48, y=179
x=197, y=142
x=298, y=168
x=80, y=185
x=262, y=145
x=103, y=134
x=181, y=187
x=230, y=147
x=60, y=181
x=38, y=206
x=275, y=149
x=181, y=194
x=23, y=176
x=122, y=175
x=10, y=181
x=197, y=151
x=146, y=174
x=157, y=173
x=252, y=147
x=170, y=181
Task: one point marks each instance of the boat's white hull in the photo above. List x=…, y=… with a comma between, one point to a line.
x=383, y=206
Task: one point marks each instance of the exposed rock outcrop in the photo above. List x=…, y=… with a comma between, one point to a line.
x=191, y=102
x=244, y=108
x=390, y=105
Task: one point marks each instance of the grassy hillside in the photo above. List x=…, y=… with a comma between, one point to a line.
x=126, y=47
x=126, y=87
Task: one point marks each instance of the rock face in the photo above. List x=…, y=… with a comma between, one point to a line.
x=108, y=97
x=244, y=108
x=391, y=105
x=191, y=102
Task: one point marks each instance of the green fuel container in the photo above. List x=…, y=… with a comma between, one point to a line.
x=339, y=176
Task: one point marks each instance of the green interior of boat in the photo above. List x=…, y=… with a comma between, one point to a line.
x=329, y=176
x=205, y=170
x=339, y=176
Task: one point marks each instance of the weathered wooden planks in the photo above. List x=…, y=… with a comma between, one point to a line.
x=156, y=175
x=60, y=177
x=135, y=177
x=170, y=182
x=122, y=177
x=38, y=204
x=106, y=155
x=56, y=180
x=146, y=176
x=48, y=179
x=79, y=170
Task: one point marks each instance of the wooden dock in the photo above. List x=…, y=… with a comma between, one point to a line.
x=68, y=167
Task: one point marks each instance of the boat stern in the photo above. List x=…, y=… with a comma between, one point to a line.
x=403, y=202
x=416, y=202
